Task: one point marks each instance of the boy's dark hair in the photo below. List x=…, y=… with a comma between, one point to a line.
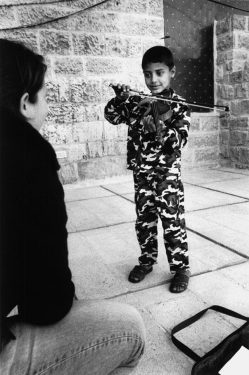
x=158, y=54
x=21, y=71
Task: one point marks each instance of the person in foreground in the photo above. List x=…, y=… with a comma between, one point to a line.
x=156, y=136
x=52, y=332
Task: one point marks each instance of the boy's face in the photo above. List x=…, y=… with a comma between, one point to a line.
x=158, y=76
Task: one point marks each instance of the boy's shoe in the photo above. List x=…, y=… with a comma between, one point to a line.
x=138, y=273
x=179, y=283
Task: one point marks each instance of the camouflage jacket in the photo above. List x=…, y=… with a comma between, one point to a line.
x=145, y=154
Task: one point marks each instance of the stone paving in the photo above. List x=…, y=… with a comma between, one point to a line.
x=103, y=249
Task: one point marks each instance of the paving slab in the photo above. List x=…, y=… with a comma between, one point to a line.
x=95, y=213
x=115, y=251
x=234, y=170
x=216, y=289
x=238, y=187
x=121, y=188
x=201, y=336
x=200, y=176
x=75, y=193
x=239, y=275
x=227, y=225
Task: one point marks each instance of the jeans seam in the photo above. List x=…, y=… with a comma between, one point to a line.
x=134, y=337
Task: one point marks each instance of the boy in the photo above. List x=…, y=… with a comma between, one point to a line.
x=154, y=155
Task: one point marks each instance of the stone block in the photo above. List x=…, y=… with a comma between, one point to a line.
x=245, y=106
x=88, y=131
x=68, y=65
x=110, y=131
x=55, y=42
x=58, y=134
x=238, y=22
x=219, y=73
x=95, y=149
x=35, y=14
x=235, y=107
x=235, y=153
x=108, y=45
x=226, y=79
x=243, y=40
x=150, y=27
x=244, y=156
x=223, y=26
x=68, y=173
x=239, y=55
x=7, y=17
x=103, y=65
x=52, y=92
x=225, y=91
x=224, y=151
x=195, y=123
x=155, y=7
x=224, y=136
x=86, y=92
x=224, y=123
x=114, y=147
x=246, y=72
x=228, y=66
x=238, y=64
x=97, y=22
x=239, y=138
x=225, y=42
x=236, y=77
x=64, y=89
x=115, y=131
x=125, y=6
x=188, y=156
x=87, y=113
x=221, y=57
x=88, y=44
x=241, y=90
x=209, y=123
x=60, y=113
x=204, y=140
x=131, y=6
x=206, y=155
x=239, y=123
x=102, y=168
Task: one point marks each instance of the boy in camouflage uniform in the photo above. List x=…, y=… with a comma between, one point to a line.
x=154, y=155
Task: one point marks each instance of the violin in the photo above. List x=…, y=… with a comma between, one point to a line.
x=160, y=112
x=158, y=106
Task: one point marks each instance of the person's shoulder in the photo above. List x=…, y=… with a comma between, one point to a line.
x=22, y=143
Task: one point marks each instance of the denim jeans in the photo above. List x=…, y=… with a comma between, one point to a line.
x=95, y=337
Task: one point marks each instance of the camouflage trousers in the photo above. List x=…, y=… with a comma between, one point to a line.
x=161, y=197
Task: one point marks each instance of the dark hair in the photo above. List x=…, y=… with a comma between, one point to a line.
x=158, y=54
x=21, y=71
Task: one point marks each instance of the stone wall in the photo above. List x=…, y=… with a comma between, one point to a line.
x=86, y=51
x=232, y=88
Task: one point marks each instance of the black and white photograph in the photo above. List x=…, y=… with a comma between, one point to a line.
x=124, y=187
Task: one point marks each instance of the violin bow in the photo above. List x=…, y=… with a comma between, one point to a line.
x=183, y=101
